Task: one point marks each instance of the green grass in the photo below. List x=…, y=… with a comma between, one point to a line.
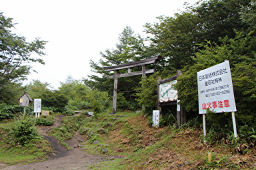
x=29, y=153
x=134, y=155
x=10, y=153
x=67, y=129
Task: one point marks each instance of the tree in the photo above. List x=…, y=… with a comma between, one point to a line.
x=50, y=98
x=15, y=53
x=11, y=92
x=248, y=13
x=75, y=92
x=130, y=48
x=178, y=38
x=241, y=52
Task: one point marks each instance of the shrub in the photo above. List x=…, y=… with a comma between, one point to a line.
x=98, y=101
x=6, y=116
x=24, y=131
x=45, y=121
x=147, y=93
x=10, y=111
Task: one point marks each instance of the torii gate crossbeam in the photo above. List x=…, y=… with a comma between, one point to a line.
x=128, y=66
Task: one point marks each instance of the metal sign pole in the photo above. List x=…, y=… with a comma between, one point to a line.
x=204, y=126
x=234, y=124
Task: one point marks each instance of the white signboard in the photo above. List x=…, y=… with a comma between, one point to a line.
x=37, y=105
x=90, y=113
x=167, y=92
x=215, y=89
x=156, y=117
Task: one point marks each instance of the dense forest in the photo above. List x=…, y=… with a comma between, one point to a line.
x=201, y=36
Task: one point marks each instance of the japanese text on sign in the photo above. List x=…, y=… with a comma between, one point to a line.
x=215, y=89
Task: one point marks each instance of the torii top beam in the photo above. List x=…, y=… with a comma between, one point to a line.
x=132, y=64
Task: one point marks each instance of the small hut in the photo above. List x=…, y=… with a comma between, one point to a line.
x=25, y=99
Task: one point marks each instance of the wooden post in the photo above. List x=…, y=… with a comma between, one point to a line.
x=24, y=111
x=115, y=92
x=178, y=118
x=143, y=76
x=181, y=117
x=158, y=94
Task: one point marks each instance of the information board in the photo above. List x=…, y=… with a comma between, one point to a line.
x=167, y=92
x=215, y=89
x=37, y=105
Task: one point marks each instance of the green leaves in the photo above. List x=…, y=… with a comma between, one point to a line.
x=24, y=131
x=15, y=55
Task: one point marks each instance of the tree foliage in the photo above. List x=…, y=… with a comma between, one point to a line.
x=15, y=54
x=203, y=35
x=50, y=98
x=130, y=48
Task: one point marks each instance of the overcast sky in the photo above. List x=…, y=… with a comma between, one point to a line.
x=78, y=30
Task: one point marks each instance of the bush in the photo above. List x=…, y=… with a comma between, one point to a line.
x=147, y=93
x=6, y=116
x=98, y=101
x=10, y=111
x=24, y=131
x=45, y=121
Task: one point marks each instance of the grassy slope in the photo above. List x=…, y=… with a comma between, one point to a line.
x=132, y=144
x=33, y=151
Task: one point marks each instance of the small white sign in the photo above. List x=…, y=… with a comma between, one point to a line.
x=215, y=89
x=178, y=105
x=155, y=118
x=90, y=113
x=37, y=105
x=167, y=92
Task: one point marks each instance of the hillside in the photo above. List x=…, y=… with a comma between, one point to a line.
x=127, y=141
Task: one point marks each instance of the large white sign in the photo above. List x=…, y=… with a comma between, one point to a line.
x=167, y=92
x=215, y=89
x=155, y=118
x=37, y=105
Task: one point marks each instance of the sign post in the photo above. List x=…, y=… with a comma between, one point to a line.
x=234, y=124
x=37, y=107
x=156, y=116
x=215, y=92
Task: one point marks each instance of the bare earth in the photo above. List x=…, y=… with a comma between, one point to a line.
x=74, y=159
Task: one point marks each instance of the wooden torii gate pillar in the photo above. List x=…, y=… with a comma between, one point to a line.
x=128, y=66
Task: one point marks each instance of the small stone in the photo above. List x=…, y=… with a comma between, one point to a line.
x=112, y=158
x=187, y=163
x=96, y=142
x=114, y=119
x=77, y=146
x=107, y=125
x=104, y=150
x=101, y=131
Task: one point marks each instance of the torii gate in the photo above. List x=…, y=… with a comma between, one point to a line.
x=128, y=66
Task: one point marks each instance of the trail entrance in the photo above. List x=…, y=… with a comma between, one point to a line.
x=128, y=66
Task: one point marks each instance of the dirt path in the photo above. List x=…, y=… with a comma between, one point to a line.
x=74, y=159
